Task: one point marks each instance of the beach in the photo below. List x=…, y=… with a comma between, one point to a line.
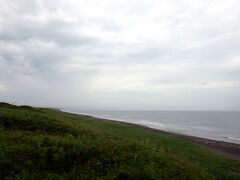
x=43, y=143
x=230, y=150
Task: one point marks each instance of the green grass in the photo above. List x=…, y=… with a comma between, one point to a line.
x=47, y=144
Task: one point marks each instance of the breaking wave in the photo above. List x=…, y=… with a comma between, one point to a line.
x=151, y=123
x=233, y=138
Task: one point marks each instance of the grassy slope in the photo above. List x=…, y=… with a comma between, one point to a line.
x=47, y=144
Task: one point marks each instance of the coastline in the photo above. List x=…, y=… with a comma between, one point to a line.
x=230, y=150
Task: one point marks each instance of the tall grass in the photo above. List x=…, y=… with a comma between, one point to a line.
x=47, y=144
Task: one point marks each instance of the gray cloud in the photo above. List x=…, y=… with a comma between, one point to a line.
x=128, y=54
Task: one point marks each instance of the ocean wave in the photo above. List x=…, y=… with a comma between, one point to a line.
x=64, y=110
x=152, y=123
x=73, y=112
x=233, y=138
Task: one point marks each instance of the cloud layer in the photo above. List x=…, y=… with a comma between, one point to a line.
x=121, y=54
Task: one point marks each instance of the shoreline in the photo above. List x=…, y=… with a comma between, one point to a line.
x=228, y=149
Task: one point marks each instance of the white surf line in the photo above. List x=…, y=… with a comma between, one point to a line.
x=143, y=122
x=94, y=116
x=158, y=124
x=64, y=110
x=79, y=113
x=237, y=139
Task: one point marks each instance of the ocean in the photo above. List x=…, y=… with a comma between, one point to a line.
x=216, y=125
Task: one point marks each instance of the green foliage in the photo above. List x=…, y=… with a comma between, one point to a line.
x=47, y=144
x=30, y=121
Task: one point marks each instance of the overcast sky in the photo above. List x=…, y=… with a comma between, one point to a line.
x=127, y=54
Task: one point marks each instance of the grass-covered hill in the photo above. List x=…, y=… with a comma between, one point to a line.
x=38, y=143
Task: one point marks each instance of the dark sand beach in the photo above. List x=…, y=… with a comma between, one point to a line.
x=230, y=150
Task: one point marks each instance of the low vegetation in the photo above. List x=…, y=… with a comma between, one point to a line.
x=38, y=143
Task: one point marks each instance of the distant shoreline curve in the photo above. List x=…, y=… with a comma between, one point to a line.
x=230, y=150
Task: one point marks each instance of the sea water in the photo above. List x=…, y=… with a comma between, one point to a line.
x=216, y=125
